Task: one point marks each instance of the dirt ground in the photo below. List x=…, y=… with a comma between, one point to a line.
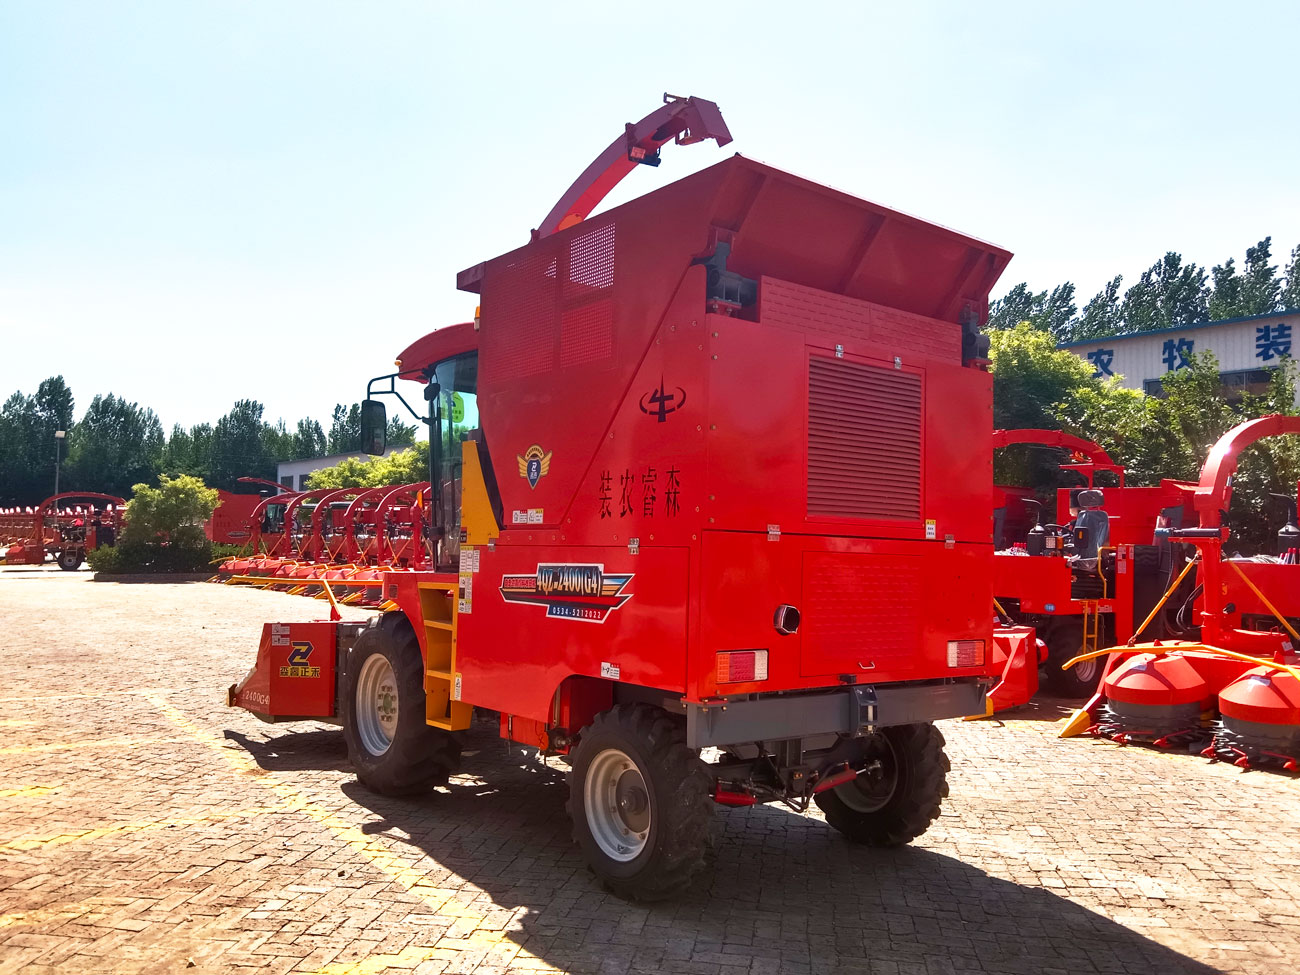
x=145, y=827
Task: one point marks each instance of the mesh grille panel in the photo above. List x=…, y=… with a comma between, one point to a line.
x=591, y=262
x=527, y=317
x=864, y=441
x=586, y=333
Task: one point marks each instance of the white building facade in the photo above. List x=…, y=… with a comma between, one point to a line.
x=1247, y=349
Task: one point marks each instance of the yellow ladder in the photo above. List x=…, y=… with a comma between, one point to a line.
x=442, y=705
x=1091, y=625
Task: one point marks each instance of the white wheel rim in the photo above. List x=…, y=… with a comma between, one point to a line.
x=617, y=804
x=1087, y=671
x=875, y=785
x=376, y=704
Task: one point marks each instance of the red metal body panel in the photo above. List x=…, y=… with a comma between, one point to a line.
x=231, y=522
x=683, y=430
x=294, y=673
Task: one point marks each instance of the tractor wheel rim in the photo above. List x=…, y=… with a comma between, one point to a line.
x=618, y=805
x=376, y=705
x=1087, y=671
x=876, y=784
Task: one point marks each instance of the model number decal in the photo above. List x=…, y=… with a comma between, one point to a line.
x=571, y=591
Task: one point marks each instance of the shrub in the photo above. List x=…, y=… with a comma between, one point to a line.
x=163, y=530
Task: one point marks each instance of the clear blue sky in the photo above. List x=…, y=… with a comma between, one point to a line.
x=201, y=202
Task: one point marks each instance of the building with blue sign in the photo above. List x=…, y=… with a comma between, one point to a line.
x=1247, y=349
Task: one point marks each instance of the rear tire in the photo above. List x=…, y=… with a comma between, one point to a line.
x=393, y=751
x=1064, y=641
x=896, y=802
x=640, y=802
x=70, y=559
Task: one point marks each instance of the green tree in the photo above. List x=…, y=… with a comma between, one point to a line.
x=174, y=512
x=345, y=429
x=1255, y=291
x=1289, y=298
x=1168, y=293
x=27, y=444
x=400, y=434
x=399, y=467
x=1102, y=316
x=1050, y=311
x=308, y=441
x=238, y=446
x=163, y=530
x=116, y=444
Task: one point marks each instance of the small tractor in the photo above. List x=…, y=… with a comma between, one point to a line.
x=707, y=514
x=1088, y=575
x=63, y=527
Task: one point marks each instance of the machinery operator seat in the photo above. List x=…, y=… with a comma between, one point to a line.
x=1095, y=524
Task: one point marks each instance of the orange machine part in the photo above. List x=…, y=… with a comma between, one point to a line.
x=1263, y=695
x=1157, y=679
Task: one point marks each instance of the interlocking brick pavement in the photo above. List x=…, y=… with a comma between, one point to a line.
x=144, y=827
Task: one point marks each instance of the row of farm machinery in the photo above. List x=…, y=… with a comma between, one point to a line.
x=65, y=526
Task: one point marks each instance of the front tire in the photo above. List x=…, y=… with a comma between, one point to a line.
x=70, y=559
x=641, y=802
x=393, y=751
x=898, y=793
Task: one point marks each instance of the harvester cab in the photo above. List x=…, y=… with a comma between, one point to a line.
x=638, y=551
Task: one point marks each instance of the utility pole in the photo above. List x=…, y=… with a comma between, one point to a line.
x=58, y=446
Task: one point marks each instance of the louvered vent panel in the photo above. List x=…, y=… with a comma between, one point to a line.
x=864, y=441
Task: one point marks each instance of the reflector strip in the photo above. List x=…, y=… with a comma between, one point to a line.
x=734, y=666
x=965, y=653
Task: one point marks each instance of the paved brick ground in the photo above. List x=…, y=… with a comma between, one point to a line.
x=146, y=828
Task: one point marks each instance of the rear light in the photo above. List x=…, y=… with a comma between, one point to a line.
x=965, y=653
x=741, y=665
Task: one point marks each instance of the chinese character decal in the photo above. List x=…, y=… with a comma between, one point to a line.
x=1272, y=341
x=671, y=490
x=606, y=487
x=657, y=495
x=1101, y=360
x=627, y=481
x=1178, y=355
x=648, y=494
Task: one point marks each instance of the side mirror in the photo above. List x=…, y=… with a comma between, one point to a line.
x=374, y=427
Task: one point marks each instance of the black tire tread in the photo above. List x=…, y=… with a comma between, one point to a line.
x=420, y=755
x=686, y=806
x=920, y=748
x=1064, y=639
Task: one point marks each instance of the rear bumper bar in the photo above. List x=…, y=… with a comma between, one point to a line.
x=853, y=710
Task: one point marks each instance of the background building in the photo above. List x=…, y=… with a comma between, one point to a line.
x=1247, y=349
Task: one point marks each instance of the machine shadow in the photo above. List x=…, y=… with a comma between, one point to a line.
x=298, y=751
x=782, y=890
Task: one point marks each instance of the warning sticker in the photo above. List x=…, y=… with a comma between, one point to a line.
x=469, y=559
x=609, y=670
x=465, y=597
x=530, y=516
x=931, y=528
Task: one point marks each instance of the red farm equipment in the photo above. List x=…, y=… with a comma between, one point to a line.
x=1081, y=589
x=63, y=527
x=709, y=481
x=1234, y=681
